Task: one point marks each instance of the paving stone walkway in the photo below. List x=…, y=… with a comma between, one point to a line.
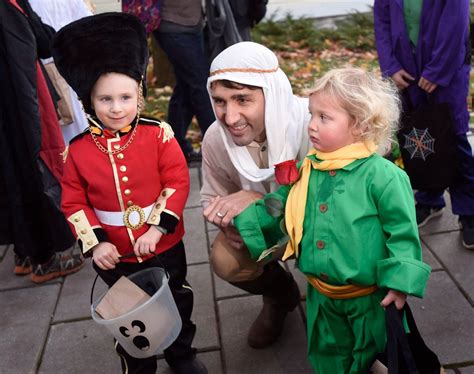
x=48, y=328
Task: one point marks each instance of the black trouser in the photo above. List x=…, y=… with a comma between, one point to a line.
x=189, y=96
x=174, y=261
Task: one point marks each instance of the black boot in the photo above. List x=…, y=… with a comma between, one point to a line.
x=280, y=296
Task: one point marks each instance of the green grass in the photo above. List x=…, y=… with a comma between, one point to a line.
x=354, y=33
x=306, y=52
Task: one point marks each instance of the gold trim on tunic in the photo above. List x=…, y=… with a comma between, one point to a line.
x=84, y=230
x=160, y=205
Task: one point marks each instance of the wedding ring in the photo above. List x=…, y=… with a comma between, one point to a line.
x=220, y=215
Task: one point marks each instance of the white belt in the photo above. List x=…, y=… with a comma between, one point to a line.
x=133, y=217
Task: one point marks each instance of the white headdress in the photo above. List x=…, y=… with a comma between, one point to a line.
x=286, y=116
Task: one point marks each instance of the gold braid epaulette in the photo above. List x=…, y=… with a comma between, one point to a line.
x=348, y=291
x=166, y=131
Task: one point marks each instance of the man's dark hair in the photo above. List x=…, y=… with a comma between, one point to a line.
x=234, y=85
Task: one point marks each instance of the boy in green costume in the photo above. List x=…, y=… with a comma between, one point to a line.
x=350, y=221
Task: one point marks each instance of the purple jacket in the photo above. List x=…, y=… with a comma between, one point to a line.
x=441, y=53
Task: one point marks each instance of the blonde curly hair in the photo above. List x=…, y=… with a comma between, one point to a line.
x=372, y=102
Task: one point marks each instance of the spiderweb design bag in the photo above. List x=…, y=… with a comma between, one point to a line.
x=427, y=144
x=405, y=353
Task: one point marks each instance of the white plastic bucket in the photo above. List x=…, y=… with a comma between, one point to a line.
x=151, y=327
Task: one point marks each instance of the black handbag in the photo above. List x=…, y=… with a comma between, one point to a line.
x=257, y=10
x=428, y=145
x=405, y=353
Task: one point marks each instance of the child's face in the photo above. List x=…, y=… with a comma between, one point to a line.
x=330, y=127
x=114, y=99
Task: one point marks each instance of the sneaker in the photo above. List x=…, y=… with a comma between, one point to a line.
x=467, y=225
x=22, y=265
x=61, y=264
x=425, y=213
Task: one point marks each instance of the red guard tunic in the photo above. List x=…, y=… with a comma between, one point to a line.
x=116, y=197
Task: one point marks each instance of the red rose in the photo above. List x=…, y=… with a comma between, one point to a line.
x=286, y=172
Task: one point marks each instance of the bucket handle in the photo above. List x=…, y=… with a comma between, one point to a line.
x=125, y=256
x=93, y=286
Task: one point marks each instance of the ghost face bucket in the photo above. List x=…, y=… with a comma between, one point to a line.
x=151, y=327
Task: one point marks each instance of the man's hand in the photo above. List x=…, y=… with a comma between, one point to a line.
x=402, y=79
x=146, y=244
x=222, y=210
x=426, y=85
x=397, y=297
x=105, y=255
x=233, y=237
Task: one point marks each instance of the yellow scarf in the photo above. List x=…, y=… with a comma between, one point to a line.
x=296, y=203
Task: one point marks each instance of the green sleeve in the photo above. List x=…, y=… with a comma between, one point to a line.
x=259, y=224
x=404, y=269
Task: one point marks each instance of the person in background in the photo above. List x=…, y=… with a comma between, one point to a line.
x=31, y=162
x=229, y=22
x=425, y=61
x=58, y=13
x=181, y=38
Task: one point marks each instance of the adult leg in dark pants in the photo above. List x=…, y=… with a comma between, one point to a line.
x=186, y=53
x=180, y=355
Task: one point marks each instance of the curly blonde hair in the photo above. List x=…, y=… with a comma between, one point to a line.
x=372, y=102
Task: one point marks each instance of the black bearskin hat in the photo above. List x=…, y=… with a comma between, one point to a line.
x=104, y=43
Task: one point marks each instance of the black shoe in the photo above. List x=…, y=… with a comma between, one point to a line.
x=193, y=366
x=425, y=213
x=467, y=225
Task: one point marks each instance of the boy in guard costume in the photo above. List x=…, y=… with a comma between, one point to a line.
x=126, y=180
x=350, y=217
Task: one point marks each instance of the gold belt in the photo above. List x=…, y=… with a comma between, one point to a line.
x=348, y=291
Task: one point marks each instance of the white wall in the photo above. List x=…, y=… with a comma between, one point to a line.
x=316, y=8
x=102, y=6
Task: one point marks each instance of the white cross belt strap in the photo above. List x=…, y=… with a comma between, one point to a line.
x=134, y=217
